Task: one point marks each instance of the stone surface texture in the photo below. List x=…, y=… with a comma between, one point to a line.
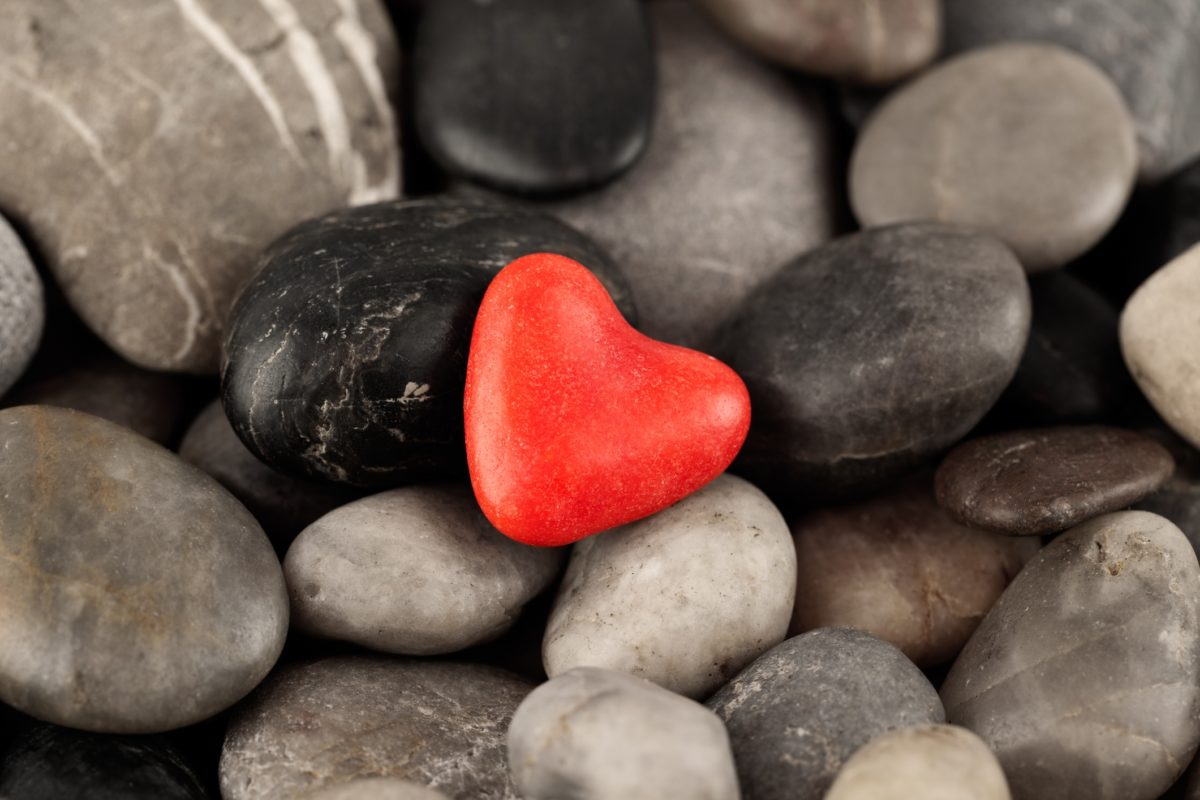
x=22, y=307
x=377, y=789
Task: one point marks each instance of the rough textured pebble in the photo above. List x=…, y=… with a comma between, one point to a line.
x=22, y=307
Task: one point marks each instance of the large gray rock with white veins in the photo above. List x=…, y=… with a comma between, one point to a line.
x=22, y=308
x=1149, y=47
x=797, y=713
x=737, y=178
x=377, y=789
x=139, y=596
x=1028, y=142
x=316, y=725
x=684, y=598
x=415, y=571
x=605, y=735
x=1085, y=676
x=149, y=192
x=1159, y=331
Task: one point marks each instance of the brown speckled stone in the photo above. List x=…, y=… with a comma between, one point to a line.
x=377, y=789
x=1025, y=483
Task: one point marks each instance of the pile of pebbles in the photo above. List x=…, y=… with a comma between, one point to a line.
x=951, y=246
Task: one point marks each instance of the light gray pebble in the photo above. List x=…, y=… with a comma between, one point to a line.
x=22, y=307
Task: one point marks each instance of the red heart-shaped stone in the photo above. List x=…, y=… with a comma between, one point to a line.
x=577, y=423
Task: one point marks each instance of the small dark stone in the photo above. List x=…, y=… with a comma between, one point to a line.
x=797, y=713
x=1031, y=482
x=870, y=355
x=52, y=763
x=346, y=355
x=534, y=95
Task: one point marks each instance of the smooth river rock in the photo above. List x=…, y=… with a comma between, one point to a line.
x=139, y=596
x=1147, y=46
x=1042, y=480
x=873, y=42
x=872, y=354
x=897, y=566
x=534, y=95
x=53, y=763
x=1159, y=331
x=414, y=571
x=1029, y=142
x=377, y=789
x=283, y=505
x=605, y=735
x=737, y=179
x=797, y=713
x=1084, y=678
x=315, y=725
x=347, y=354
x=149, y=192
x=931, y=762
x=684, y=598
x=22, y=307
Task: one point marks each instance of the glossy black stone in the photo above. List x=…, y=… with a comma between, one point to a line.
x=535, y=96
x=52, y=763
x=869, y=355
x=346, y=355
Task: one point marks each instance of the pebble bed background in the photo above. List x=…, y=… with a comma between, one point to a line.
x=951, y=246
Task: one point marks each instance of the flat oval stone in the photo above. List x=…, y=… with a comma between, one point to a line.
x=415, y=571
x=377, y=789
x=534, y=95
x=872, y=42
x=1145, y=45
x=139, y=595
x=320, y=724
x=1159, y=329
x=1031, y=482
x=897, y=566
x=943, y=146
x=283, y=505
x=871, y=354
x=933, y=762
x=346, y=355
x=53, y=763
x=1084, y=678
x=22, y=307
x=721, y=225
x=601, y=734
x=797, y=713
x=687, y=596
x=295, y=102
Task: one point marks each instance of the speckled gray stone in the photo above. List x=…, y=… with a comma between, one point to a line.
x=1085, y=676
x=22, y=307
x=149, y=191
x=737, y=179
x=139, y=596
x=1029, y=142
x=414, y=571
x=377, y=789
x=319, y=724
x=797, y=713
x=605, y=735
x=684, y=598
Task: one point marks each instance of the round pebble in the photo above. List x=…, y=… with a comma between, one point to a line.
x=377, y=789
x=415, y=571
x=1031, y=482
x=797, y=713
x=687, y=597
x=605, y=735
x=1159, y=330
x=139, y=596
x=1028, y=142
x=22, y=307
x=1084, y=678
x=932, y=762
x=896, y=566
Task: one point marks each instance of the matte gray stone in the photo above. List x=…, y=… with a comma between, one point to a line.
x=139, y=596
x=797, y=713
x=606, y=735
x=148, y=190
x=315, y=725
x=1084, y=678
x=22, y=307
x=414, y=571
